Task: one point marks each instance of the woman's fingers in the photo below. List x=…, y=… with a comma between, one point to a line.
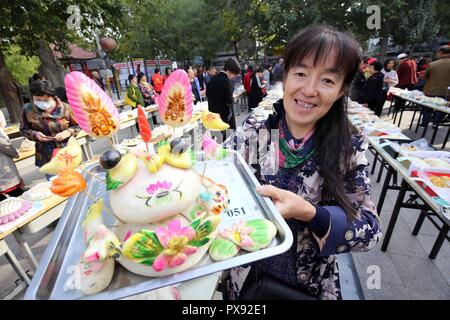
x=269, y=191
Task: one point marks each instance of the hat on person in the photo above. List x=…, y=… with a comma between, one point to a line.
x=402, y=56
x=370, y=60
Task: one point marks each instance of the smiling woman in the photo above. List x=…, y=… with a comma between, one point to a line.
x=321, y=187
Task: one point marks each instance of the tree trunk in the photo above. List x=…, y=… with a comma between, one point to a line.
x=9, y=92
x=384, y=41
x=236, y=50
x=50, y=67
x=411, y=51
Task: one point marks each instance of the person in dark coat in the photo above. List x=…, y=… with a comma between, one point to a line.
x=256, y=85
x=373, y=94
x=219, y=92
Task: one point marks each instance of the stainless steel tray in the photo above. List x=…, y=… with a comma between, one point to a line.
x=67, y=243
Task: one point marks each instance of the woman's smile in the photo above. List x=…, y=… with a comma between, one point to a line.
x=303, y=105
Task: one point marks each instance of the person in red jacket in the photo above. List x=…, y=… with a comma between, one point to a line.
x=407, y=72
x=158, y=81
x=247, y=81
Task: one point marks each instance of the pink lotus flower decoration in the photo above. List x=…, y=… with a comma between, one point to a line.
x=238, y=234
x=153, y=188
x=175, y=242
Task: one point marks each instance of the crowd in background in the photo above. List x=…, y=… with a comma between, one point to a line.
x=371, y=85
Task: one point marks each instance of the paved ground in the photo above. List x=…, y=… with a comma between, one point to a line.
x=406, y=270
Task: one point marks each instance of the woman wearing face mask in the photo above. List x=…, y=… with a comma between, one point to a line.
x=10, y=180
x=47, y=120
x=318, y=179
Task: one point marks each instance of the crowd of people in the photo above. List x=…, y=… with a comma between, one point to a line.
x=371, y=85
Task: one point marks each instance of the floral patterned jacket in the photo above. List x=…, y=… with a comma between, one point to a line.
x=311, y=262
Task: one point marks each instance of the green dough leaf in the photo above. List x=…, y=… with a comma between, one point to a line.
x=222, y=249
x=110, y=183
x=199, y=242
x=263, y=233
x=143, y=247
x=196, y=222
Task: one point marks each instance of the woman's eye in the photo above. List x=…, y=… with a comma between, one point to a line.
x=299, y=74
x=328, y=81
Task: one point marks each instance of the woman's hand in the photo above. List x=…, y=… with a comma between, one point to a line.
x=62, y=135
x=42, y=137
x=288, y=203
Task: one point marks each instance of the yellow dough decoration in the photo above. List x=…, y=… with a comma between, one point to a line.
x=213, y=122
x=122, y=173
x=68, y=157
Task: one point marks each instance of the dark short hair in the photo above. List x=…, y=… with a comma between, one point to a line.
x=377, y=65
x=34, y=77
x=156, y=70
x=167, y=70
x=210, y=67
x=41, y=88
x=444, y=49
x=131, y=77
x=259, y=69
x=232, y=65
x=140, y=75
x=250, y=68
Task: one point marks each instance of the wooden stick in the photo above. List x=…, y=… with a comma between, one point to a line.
x=104, y=207
x=111, y=143
x=93, y=175
x=204, y=168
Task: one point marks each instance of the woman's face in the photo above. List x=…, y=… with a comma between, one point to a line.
x=45, y=102
x=191, y=74
x=144, y=79
x=310, y=91
x=134, y=80
x=370, y=69
x=390, y=65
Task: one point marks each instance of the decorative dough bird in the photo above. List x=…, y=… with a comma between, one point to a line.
x=68, y=157
x=121, y=173
x=213, y=122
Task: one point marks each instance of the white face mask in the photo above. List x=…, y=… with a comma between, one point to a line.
x=44, y=105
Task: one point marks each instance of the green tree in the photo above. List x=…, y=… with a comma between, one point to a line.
x=34, y=24
x=418, y=25
x=178, y=29
x=21, y=67
x=242, y=19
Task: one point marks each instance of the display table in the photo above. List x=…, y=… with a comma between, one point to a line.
x=26, y=158
x=421, y=106
x=429, y=208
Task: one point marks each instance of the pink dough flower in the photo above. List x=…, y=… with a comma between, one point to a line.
x=175, y=241
x=239, y=234
x=152, y=189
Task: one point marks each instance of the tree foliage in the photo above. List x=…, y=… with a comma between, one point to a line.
x=21, y=67
x=174, y=29
x=26, y=22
